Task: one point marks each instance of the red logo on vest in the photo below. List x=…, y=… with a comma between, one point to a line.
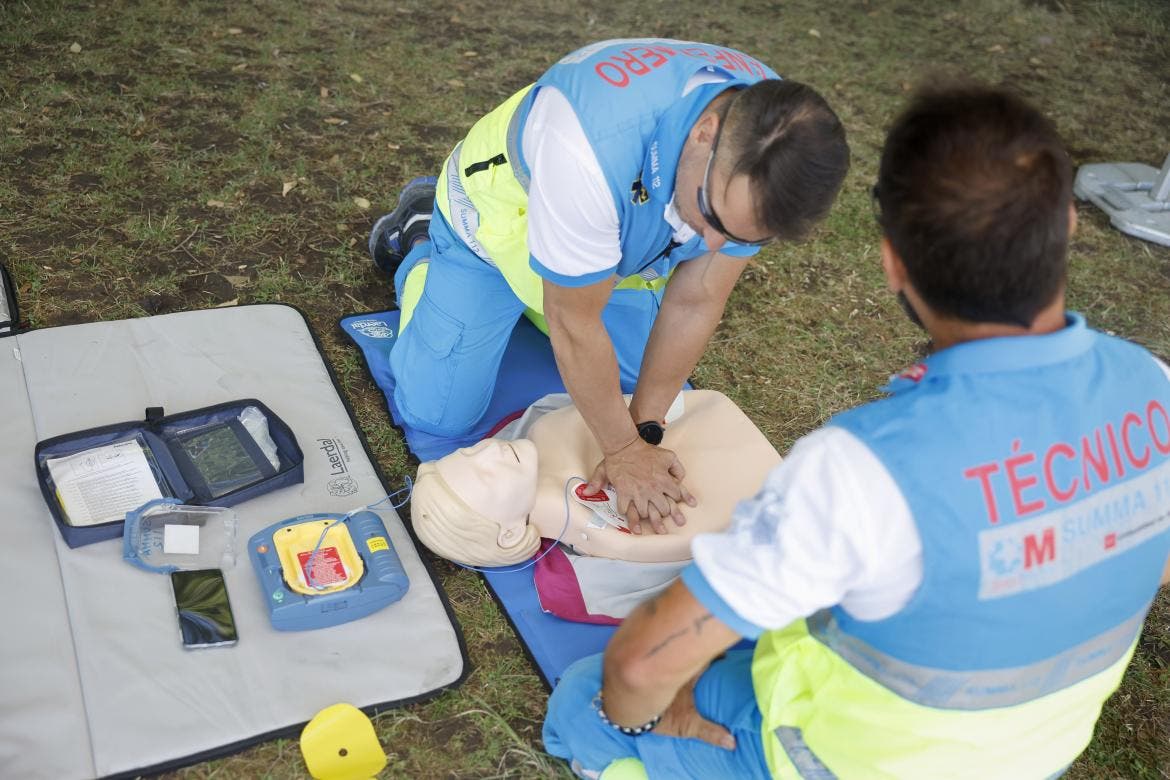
x=1036, y=551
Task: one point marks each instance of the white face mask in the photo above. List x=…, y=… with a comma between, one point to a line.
x=498, y=480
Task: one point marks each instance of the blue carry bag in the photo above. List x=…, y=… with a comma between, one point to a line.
x=215, y=456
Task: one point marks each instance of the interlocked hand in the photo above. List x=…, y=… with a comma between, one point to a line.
x=648, y=483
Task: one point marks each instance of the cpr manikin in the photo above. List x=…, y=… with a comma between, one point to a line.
x=489, y=505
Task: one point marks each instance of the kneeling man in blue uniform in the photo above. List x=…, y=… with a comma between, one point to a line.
x=950, y=581
x=629, y=164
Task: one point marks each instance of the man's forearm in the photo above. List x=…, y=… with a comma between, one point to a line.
x=657, y=650
x=589, y=368
x=647, y=479
x=631, y=699
x=691, y=309
x=677, y=342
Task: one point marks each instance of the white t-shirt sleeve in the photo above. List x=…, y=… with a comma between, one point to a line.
x=829, y=527
x=574, y=237
x=1163, y=366
x=573, y=231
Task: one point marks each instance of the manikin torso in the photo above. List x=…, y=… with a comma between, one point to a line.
x=725, y=456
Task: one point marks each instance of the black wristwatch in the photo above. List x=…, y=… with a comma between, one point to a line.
x=651, y=431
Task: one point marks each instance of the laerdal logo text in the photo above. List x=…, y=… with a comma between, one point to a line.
x=337, y=455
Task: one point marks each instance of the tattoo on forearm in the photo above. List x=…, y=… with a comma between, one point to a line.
x=697, y=625
x=658, y=647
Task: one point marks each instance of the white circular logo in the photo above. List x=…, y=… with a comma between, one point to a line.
x=374, y=329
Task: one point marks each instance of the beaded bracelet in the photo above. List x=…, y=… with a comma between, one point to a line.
x=629, y=731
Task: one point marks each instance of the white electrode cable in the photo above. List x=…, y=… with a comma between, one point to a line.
x=315, y=554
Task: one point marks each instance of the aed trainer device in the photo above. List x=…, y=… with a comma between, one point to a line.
x=322, y=570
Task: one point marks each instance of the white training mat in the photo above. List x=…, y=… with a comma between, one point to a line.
x=93, y=676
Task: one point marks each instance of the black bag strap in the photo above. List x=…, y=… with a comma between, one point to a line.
x=8, y=324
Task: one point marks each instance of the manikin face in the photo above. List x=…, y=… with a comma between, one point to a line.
x=497, y=479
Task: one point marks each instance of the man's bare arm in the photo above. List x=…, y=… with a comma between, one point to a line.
x=691, y=309
x=586, y=360
x=647, y=479
x=659, y=648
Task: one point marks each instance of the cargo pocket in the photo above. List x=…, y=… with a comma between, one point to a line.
x=424, y=367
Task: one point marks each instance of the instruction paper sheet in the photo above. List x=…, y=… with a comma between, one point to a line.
x=102, y=484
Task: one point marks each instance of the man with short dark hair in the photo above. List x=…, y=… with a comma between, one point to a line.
x=627, y=164
x=947, y=582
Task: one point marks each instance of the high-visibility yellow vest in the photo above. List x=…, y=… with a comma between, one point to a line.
x=823, y=718
x=492, y=205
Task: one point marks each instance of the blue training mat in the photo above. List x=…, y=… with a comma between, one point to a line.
x=528, y=373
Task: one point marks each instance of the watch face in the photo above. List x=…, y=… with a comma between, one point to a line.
x=651, y=432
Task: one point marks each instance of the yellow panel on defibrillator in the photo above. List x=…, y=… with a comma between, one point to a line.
x=313, y=564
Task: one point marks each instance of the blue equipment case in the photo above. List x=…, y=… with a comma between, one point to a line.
x=383, y=582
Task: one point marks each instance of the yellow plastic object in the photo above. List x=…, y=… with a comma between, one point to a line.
x=295, y=543
x=339, y=743
x=625, y=769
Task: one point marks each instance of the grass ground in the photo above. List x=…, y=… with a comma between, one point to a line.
x=159, y=156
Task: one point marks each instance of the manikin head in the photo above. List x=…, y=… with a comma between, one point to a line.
x=472, y=505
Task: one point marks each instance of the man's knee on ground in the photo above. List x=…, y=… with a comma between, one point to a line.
x=574, y=732
x=444, y=424
x=574, y=693
x=571, y=730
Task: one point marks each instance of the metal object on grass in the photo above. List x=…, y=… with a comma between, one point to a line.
x=1135, y=196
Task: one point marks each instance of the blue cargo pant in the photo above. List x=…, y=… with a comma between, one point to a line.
x=446, y=359
x=724, y=694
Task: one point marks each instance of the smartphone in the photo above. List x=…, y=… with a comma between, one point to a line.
x=205, y=615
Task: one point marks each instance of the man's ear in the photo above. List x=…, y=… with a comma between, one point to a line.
x=705, y=130
x=893, y=267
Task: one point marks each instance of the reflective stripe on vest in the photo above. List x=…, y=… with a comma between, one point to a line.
x=512, y=142
x=468, y=206
x=810, y=767
x=980, y=689
x=824, y=718
x=459, y=211
x=488, y=209
x=463, y=217
x=802, y=758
